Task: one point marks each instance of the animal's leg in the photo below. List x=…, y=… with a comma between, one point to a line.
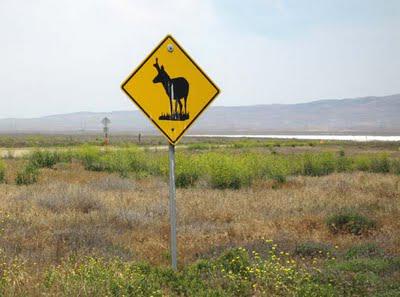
x=176, y=109
x=170, y=106
x=180, y=107
x=185, y=99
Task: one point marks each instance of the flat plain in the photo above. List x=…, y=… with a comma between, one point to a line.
x=255, y=218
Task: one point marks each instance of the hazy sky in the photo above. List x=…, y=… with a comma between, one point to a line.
x=69, y=55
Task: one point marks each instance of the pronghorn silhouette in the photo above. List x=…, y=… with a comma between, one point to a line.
x=176, y=89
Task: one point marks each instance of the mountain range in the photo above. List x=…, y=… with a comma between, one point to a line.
x=376, y=115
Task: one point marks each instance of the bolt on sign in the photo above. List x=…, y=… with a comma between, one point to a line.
x=171, y=89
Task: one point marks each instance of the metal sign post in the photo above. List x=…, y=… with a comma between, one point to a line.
x=105, y=123
x=172, y=205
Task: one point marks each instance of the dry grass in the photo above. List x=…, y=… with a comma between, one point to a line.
x=73, y=212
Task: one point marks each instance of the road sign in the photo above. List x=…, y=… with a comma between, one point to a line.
x=171, y=89
x=105, y=121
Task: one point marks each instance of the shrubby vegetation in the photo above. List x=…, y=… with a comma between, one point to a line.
x=120, y=140
x=364, y=250
x=237, y=272
x=319, y=164
x=2, y=171
x=28, y=175
x=122, y=161
x=219, y=169
x=225, y=171
x=349, y=221
x=313, y=249
x=44, y=159
x=188, y=171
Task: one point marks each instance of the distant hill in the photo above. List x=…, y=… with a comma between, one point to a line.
x=379, y=115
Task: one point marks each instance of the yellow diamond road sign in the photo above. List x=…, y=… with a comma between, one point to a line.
x=171, y=89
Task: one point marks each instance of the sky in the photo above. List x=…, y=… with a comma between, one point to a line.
x=72, y=55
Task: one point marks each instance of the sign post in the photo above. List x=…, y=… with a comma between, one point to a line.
x=172, y=206
x=172, y=91
x=105, y=123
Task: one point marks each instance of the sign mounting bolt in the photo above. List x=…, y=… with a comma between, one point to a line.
x=170, y=48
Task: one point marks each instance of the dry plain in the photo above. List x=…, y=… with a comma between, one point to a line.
x=73, y=213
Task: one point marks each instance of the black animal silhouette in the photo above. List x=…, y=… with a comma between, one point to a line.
x=176, y=89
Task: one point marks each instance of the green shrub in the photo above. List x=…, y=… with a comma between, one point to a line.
x=318, y=164
x=90, y=157
x=44, y=159
x=186, y=176
x=278, y=170
x=28, y=175
x=66, y=156
x=236, y=260
x=158, y=166
x=395, y=166
x=313, y=249
x=138, y=161
x=375, y=265
x=279, y=178
x=273, y=151
x=122, y=161
x=350, y=222
x=115, y=162
x=228, y=173
x=245, y=144
x=199, y=146
x=366, y=250
x=232, y=170
x=188, y=170
x=344, y=164
x=236, y=272
x=99, y=278
x=380, y=164
x=2, y=171
x=362, y=163
x=275, y=168
x=375, y=163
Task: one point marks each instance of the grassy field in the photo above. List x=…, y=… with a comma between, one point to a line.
x=255, y=218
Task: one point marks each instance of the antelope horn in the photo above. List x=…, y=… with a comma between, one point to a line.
x=156, y=64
